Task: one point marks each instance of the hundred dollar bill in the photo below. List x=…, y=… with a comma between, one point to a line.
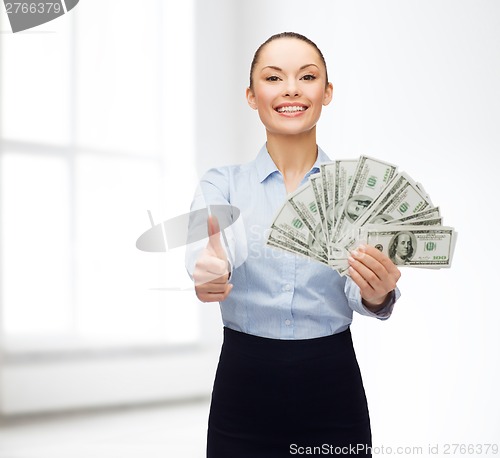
x=428, y=213
x=290, y=224
x=422, y=222
x=336, y=178
x=342, y=267
x=401, y=198
x=317, y=187
x=303, y=201
x=327, y=172
x=344, y=173
x=419, y=186
x=415, y=246
x=278, y=240
x=370, y=179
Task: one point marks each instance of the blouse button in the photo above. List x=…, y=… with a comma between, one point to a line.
x=287, y=322
x=287, y=287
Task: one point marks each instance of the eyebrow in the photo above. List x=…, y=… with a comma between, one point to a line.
x=280, y=69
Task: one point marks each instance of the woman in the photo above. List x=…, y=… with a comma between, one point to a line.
x=287, y=377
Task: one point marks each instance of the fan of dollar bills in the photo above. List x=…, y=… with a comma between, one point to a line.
x=350, y=202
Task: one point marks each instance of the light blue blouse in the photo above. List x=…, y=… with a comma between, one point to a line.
x=276, y=294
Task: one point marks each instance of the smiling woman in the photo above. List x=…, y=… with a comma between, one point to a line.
x=287, y=371
x=289, y=80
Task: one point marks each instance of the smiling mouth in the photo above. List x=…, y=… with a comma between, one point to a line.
x=291, y=109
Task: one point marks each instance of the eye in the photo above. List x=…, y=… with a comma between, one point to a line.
x=272, y=78
x=308, y=77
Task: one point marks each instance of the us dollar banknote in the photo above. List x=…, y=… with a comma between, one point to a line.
x=424, y=222
x=370, y=179
x=429, y=213
x=344, y=173
x=317, y=189
x=415, y=246
x=400, y=198
x=289, y=223
x=304, y=202
x=327, y=173
x=362, y=201
x=278, y=240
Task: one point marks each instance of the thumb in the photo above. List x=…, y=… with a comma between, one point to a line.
x=214, y=237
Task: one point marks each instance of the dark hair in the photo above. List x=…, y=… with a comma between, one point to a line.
x=297, y=36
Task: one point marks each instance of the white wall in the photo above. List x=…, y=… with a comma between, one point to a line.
x=416, y=83
x=218, y=94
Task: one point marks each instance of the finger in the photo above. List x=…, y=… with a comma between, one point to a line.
x=214, y=235
x=222, y=296
x=214, y=297
x=380, y=257
x=368, y=275
x=213, y=265
x=205, y=272
x=390, y=267
x=370, y=296
x=214, y=288
x=370, y=263
x=364, y=286
x=201, y=278
x=374, y=272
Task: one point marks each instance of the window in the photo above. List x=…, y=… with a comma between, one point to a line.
x=96, y=121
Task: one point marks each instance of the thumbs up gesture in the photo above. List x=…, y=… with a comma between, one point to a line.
x=211, y=272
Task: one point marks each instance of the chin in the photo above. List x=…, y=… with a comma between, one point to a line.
x=291, y=130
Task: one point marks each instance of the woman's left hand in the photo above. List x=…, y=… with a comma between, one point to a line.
x=374, y=273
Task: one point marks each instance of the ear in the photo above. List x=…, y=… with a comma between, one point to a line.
x=328, y=94
x=251, y=98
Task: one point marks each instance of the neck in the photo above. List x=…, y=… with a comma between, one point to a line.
x=294, y=155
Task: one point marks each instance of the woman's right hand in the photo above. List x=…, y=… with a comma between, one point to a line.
x=211, y=273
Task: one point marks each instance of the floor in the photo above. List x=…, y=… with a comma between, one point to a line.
x=177, y=430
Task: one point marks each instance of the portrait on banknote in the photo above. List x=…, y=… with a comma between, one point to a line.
x=381, y=219
x=402, y=247
x=355, y=207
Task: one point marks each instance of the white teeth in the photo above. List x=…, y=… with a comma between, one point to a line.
x=291, y=109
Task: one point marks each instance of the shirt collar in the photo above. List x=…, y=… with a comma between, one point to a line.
x=266, y=166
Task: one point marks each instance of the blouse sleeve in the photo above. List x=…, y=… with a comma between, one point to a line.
x=353, y=295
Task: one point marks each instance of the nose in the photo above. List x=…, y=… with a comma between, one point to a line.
x=291, y=88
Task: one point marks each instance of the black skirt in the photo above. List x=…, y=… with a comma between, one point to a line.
x=280, y=398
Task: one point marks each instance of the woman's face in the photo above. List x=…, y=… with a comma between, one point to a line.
x=289, y=87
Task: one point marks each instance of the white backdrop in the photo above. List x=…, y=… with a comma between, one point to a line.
x=415, y=83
